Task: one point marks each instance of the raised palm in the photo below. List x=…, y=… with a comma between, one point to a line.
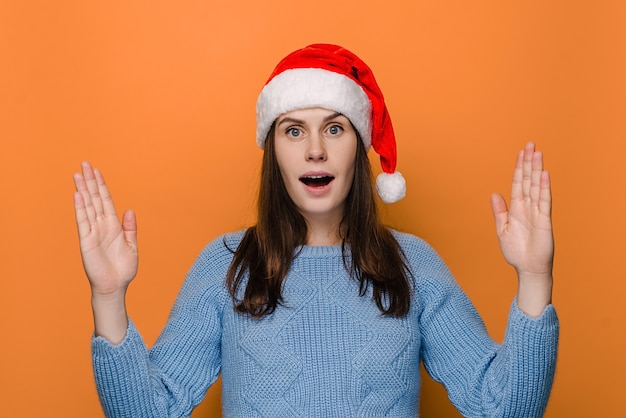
x=525, y=228
x=108, y=247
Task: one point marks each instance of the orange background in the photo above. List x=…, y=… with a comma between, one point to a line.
x=160, y=96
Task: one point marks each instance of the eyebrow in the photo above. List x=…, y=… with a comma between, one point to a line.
x=301, y=122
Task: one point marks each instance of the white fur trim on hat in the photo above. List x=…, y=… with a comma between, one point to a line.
x=303, y=88
x=391, y=187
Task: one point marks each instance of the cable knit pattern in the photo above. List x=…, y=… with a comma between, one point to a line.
x=328, y=352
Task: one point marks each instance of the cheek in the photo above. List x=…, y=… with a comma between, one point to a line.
x=282, y=159
x=287, y=170
x=284, y=174
x=350, y=161
x=350, y=175
x=286, y=153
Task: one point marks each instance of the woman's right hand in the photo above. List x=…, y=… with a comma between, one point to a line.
x=109, y=252
x=108, y=247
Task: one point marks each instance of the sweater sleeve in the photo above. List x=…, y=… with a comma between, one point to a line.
x=482, y=378
x=170, y=379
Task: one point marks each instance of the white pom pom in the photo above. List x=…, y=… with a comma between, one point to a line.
x=391, y=187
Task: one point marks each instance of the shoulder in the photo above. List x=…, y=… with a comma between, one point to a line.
x=406, y=239
x=427, y=267
x=221, y=248
x=214, y=260
x=204, y=286
x=416, y=250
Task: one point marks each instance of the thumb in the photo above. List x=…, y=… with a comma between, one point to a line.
x=129, y=225
x=500, y=211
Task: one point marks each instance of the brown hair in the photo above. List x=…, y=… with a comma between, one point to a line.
x=267, y=249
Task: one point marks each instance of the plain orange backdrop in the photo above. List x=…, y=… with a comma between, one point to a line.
x=160, y=96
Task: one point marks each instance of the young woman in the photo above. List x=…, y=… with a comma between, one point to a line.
x=319, y=310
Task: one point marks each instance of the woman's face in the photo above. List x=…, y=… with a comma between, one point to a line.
x=316, y=151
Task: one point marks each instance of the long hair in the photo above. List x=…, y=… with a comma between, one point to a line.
x=267, y=249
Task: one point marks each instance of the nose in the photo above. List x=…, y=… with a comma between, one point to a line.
x=316, y=150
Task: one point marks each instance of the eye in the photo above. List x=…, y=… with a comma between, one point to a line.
x=335, y=130
x=293, y=132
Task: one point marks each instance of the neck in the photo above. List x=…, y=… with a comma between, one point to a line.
x=322, y=233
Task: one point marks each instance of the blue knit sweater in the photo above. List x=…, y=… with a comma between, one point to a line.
x=328, y=352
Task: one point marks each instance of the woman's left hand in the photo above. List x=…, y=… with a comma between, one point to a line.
x=525, y=230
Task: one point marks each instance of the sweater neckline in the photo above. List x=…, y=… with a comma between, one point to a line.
x=313, y=251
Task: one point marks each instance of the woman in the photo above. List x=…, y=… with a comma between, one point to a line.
x=319, y=310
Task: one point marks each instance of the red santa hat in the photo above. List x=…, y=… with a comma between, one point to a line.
x=331, y=77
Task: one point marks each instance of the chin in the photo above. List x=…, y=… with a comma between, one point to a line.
x=321, y=210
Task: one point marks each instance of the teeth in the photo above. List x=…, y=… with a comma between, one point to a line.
x=316, y=181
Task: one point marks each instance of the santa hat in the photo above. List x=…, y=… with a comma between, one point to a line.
x=331, y=77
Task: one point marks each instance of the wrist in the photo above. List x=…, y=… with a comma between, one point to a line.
x=534, y=292
x=108, y=295
x=110, y=316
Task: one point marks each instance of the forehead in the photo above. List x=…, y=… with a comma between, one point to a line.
x=313, y=113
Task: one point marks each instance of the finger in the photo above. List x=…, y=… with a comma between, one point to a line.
x=81, y=187
x=545, y=197
x=516, y=187
x=92, y=187
x=82, y=221
x=107, y=201
x=529, y=150
x=500, y=211
x=535, y=177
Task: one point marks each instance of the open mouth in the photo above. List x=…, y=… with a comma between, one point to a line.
x=316, y=181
